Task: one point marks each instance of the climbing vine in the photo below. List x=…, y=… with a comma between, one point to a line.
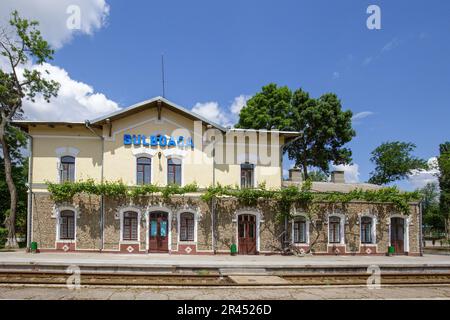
x=285, y=197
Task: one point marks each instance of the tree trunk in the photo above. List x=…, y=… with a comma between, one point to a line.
x=10, y=221
x=305, y=171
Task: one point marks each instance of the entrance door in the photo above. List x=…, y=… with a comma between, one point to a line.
x=159, y=236
x=247, y=234
x=398, y=234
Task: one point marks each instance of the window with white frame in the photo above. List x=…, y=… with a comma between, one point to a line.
x=187, y=226
x=174, y=171
x=67, y=169
x=130, y=226
x=300, y=230
x=366, y=229
x=334, y=229
x=143, y=170
x=247, y=175
x=67, y=225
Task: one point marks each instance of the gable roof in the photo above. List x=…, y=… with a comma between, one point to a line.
x=97, y=122
x=145, y=104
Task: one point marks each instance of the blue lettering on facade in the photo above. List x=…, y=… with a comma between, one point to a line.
x=153, y=141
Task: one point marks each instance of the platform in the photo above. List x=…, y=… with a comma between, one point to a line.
x=222, y=264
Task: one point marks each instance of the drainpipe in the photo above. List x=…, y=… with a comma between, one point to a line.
x=102, y=198
x=420, y=228
x=30, y=189
x=213, y=202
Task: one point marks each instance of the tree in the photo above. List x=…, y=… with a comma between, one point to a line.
x=318, y=176
x=430, y=200
x=444, y=181
x=325, y=128
x=394, y=161
x=269, y=109
x=20, y=44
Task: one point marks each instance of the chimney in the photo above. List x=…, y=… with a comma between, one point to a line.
x=337, y=177
x=295, y=175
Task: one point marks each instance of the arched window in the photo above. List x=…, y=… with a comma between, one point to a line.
x=366, y=230
x=334, y=230
x=300, y=230
x=247, y=175
x=174, y=171
x=67, y=225
x=67, y=169
x=130, y=226
x=187, y=225
x=143, y=169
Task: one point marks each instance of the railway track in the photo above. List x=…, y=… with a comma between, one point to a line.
x=302, y=279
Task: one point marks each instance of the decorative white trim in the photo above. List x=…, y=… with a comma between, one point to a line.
x=407, y=221
x=175, y=156
x=178, y=214
x=296, y=215
x=257, y=214
x=342, y=223
x=56, y=212
x=255, y=180
x=62, y=152
x=148, y=155
x=169, y=227
x=373, y=231
x=121, y=212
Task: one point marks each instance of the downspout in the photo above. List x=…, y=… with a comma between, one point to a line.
x=102, y=198
x=421, y=228
x=30, y=190
x=213, y=202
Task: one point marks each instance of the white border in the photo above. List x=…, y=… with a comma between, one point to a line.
x=257, y=214
x=169, y=226
x=56, y=214
x=406, y=222
x=121, y=212
x=341, y=231
x=178, y=214
x=63, y=152
x=296, y=215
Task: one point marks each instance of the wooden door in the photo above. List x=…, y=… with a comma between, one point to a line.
x=247, y=234
x=159, y=232
x=398, y=234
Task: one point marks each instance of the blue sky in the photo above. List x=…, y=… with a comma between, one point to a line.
x=218, y=50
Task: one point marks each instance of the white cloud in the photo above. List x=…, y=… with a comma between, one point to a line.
x=362, y=115
x=336, y=75
x=224, y=116
x=211, y=111
x=76, y=101
x=238, y=103
x=52, y=16
x=419, y=178
x=351, y=172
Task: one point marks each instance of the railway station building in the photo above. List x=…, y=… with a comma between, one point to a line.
x=160, y=143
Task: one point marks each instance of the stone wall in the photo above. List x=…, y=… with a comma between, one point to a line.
x=271, y=227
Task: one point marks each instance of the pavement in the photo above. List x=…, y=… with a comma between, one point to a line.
x=219, y=261
x=224, y=293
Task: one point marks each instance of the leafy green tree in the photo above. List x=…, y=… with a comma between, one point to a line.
x=394, y=161
x=325, y=127
x=20, y=44
x=269, y=109
x=318, y=176
x=444, y=182
x=432, y=217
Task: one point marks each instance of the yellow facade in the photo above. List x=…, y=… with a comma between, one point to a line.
x=101, y=148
